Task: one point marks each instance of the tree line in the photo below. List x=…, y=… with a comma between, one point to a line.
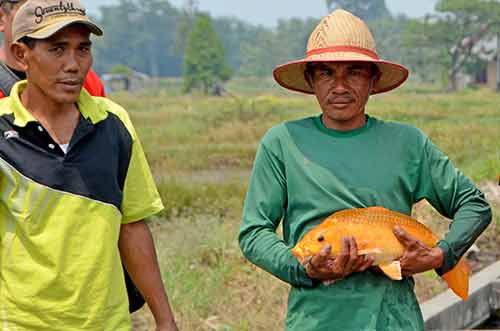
x=154, y=37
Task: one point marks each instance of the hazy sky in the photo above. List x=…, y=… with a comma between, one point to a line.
x=267, y=12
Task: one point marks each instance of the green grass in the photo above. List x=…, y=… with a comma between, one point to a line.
x=201, y=151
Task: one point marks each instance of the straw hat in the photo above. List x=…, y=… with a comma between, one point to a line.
x=340, y=37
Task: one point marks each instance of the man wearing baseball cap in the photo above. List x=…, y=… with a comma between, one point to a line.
x=341, y=159
x=75, y=186
x=10, y=72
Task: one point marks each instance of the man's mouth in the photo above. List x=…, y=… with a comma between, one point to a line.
x=71, y=82
x=71, y=85
x=341, y=100
x=341, y=104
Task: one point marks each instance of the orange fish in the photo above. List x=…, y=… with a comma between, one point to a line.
x=372, y=229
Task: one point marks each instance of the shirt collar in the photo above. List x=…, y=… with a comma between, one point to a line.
x=86, y=105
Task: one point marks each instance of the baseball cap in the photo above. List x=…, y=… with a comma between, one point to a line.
x=40, y=19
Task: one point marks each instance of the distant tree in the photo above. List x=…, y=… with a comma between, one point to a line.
x=388, y=36
x=452, y=36
x=191, y=7
x=185, y=24
x=204, y=61
x=262, y=55
x=139, y=33
x=368, y=10
x=120, y=69
x=234, y=33
x=292, y=36
x=272, y=47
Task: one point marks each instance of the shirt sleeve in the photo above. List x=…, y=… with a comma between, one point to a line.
x=454, y=196
x=140, y=195
x=263, y=210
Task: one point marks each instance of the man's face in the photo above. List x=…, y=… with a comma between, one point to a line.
x=8, y=11
x=342, y=90
x=57, y=66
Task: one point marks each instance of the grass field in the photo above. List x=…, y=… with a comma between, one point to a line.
x=201, y=150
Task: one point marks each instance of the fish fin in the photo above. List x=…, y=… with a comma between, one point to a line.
x=392, y=270
x=370, y=251
x=458, y=279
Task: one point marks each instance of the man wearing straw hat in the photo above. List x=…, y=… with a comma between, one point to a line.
x=307, y=169
x=75, y=188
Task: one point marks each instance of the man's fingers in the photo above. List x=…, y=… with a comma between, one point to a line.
x=352, y=255
x=367, y=262
x=354, y=248
x=360, y=260
x=404, y=237
x=344, y=253
x=326, y=250
x=321, y=258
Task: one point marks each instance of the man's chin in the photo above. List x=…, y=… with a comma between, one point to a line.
x=67, y=95
x=340, y=114
x=66, y=98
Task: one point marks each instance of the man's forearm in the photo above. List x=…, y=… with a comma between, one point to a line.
x=263, y=248
x=139, y=257
x=469, y=222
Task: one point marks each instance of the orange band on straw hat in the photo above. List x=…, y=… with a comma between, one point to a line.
x=340, y=37
x=334, y=49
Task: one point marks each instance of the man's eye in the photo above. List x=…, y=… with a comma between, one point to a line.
x=56, y=49
x=323, y=73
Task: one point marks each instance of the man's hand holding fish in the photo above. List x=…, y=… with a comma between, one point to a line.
x=324, y=267
x=417, y=256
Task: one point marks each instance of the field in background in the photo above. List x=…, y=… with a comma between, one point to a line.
x=201, y=150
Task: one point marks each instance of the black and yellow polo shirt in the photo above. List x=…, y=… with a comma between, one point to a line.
x=60, y=216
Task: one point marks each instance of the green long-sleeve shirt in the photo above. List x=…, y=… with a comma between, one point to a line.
x=304, y=172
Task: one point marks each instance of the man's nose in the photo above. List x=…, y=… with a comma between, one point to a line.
x=71, y=62
x=340, y=84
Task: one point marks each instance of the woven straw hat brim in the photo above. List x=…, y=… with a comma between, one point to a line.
x=291, y=75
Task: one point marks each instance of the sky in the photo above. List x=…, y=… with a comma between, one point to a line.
x=267, y=12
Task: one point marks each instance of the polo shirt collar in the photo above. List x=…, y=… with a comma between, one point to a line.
x=86, y=105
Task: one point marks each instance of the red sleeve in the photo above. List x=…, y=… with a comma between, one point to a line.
x=2, y=95
x=93, y=84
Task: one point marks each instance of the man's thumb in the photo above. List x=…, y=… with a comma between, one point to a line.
x=401, y=234
x=325, y=251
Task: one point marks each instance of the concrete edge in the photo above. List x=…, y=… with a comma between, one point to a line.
x=447, y=311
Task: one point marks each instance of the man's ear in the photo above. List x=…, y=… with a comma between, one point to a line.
x=308, y=77
x=20, y=53
x=375, y=79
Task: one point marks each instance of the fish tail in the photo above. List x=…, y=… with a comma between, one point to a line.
x=458, y=279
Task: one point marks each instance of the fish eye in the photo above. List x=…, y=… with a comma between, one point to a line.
x=321, y=238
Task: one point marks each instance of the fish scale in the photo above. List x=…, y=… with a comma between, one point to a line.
x=384, y=217
x=373, y=229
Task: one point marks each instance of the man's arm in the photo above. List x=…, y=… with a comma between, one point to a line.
x=454, y=196
x=139, y=257
x=263, y=210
